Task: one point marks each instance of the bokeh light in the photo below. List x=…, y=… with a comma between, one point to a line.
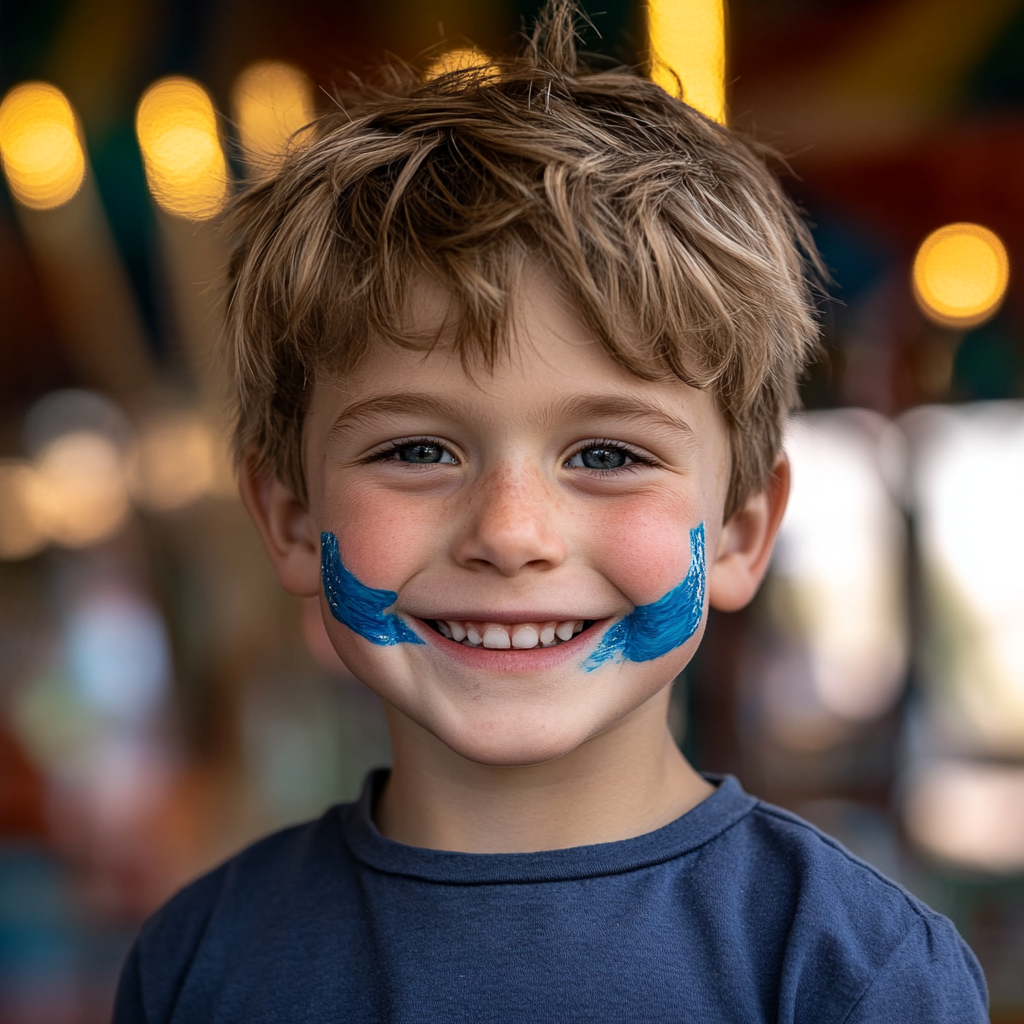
x=970, y=815
x=836, y=587
x=960, y=275
x=460, y=58
x=841, y=547
x=81, y=497
x=174, y=463
x=272, y=100
x=177, y=131
x=21, y=533
x=968, y=481
x=688, y=37
x=40, y=146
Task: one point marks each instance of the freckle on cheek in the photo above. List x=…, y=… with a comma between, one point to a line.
x=380, y=542
x=643, y=555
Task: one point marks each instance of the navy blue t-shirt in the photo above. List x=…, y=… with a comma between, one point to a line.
x=735, y=913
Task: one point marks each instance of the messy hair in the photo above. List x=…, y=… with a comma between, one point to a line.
x=668, y=232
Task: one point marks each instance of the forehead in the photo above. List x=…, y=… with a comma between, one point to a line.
x=551, y=364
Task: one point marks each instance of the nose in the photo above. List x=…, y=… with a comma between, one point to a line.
x=511, y=524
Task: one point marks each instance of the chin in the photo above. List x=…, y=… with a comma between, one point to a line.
x=505, y=745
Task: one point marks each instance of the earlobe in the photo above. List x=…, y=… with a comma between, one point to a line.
x=746, y=541
x=286, y=529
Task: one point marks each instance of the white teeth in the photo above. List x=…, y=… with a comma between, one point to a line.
x=564, y=630
x=524, y=637
x=496, y=637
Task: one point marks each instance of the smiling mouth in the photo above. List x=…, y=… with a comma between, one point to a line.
x=520, y=636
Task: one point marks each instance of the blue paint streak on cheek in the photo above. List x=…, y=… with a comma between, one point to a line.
x=358, y=606
x=651, y=630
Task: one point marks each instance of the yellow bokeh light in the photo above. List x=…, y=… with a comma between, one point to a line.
x=80, y=494
x=21, y=533
x=185, y=167
x=688, y=37
x=174, y=463
x=39, y=142
x=462, y=58
x=960, y=275
x=272, y=101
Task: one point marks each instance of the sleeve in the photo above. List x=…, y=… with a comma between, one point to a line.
x=932, y=977
x=128, y=1005
x=160, y=960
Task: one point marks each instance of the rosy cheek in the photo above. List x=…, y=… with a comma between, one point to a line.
x=643, y=552
x=383, y=538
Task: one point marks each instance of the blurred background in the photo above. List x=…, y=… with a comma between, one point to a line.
x=162, y=702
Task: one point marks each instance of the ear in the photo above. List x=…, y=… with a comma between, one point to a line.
x=746, y=541
x=286, y=528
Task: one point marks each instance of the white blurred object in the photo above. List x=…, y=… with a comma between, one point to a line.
x=835, y=654
x=107, y=677
x=841, y=554
x=969, y=815
x=968, y=480
x=119, y=655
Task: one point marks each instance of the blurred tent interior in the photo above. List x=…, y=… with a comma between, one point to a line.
x=162, y=701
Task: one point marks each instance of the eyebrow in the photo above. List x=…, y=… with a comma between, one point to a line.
x=619, y=407
x=582, y=407
x=403, y=402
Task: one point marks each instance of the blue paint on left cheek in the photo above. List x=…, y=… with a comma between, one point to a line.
x=358, y=606
x=651, y=630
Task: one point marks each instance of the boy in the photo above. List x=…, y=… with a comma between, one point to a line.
x=513, y=349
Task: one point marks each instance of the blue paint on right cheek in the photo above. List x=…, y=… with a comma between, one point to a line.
x=651, y=630
x=358, y=606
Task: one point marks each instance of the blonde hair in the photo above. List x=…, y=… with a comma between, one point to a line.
x=668, y=232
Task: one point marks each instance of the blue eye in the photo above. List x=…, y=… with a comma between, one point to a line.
x=424, y=453
x=602, y=457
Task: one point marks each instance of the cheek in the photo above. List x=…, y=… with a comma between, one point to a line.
x=644, y=552
x=383, y=538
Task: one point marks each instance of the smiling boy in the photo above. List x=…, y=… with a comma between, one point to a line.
x=513, y=349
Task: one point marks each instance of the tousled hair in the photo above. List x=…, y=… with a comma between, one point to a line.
x=669, y=233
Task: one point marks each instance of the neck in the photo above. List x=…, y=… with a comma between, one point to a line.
x=627, y=781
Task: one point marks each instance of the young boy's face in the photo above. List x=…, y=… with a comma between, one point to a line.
x=556, y=489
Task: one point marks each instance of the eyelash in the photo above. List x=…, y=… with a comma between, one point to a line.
x=637, y=458
x=384, y=454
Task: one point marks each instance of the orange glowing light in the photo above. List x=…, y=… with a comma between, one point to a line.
x=462, y=58
x=272, y=101
x=960, y=275
x=177, y=130
x=688, y=37
x=39, y=142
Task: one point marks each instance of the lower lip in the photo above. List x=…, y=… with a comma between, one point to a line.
x=510, y=661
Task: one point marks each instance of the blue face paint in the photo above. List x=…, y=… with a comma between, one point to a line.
x=652, y=630
x=358, y=606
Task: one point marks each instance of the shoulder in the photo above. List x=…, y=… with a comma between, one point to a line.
x=243, y=901
x=852, y=935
